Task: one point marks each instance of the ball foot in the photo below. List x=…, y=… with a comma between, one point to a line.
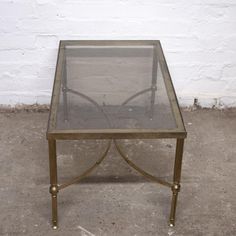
x=171, y=223
x=54, y=227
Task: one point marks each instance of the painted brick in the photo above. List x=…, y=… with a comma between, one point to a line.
x=198, y=37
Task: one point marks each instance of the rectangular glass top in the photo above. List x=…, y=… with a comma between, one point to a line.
x=112, y=86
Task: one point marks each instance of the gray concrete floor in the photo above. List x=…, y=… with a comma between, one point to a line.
x=115, y=200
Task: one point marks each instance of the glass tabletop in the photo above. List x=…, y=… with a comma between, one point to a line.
x=112, y=87
x=115, y=87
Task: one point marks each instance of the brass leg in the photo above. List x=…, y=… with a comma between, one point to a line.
x=53, y=180
x=176, y=179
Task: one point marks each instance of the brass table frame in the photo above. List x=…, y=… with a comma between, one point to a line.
x=179, y=133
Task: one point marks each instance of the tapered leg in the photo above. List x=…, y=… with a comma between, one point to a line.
x=176, y=179
x=53, y=179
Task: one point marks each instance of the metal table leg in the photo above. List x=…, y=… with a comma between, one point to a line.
x=176, y=179
x=53, y=179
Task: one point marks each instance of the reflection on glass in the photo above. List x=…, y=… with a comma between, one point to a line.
x=114, y=87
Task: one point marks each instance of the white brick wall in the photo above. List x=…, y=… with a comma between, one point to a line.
x=198, y=37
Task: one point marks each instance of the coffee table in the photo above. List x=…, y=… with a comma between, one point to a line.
x=113, y=90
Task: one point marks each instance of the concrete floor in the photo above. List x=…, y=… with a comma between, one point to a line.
x=115, y=200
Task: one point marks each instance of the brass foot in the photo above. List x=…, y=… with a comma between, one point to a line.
x=54, y=227
x=172, y=223
x=175, y=190
x=54, y=224
x=54, y=190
